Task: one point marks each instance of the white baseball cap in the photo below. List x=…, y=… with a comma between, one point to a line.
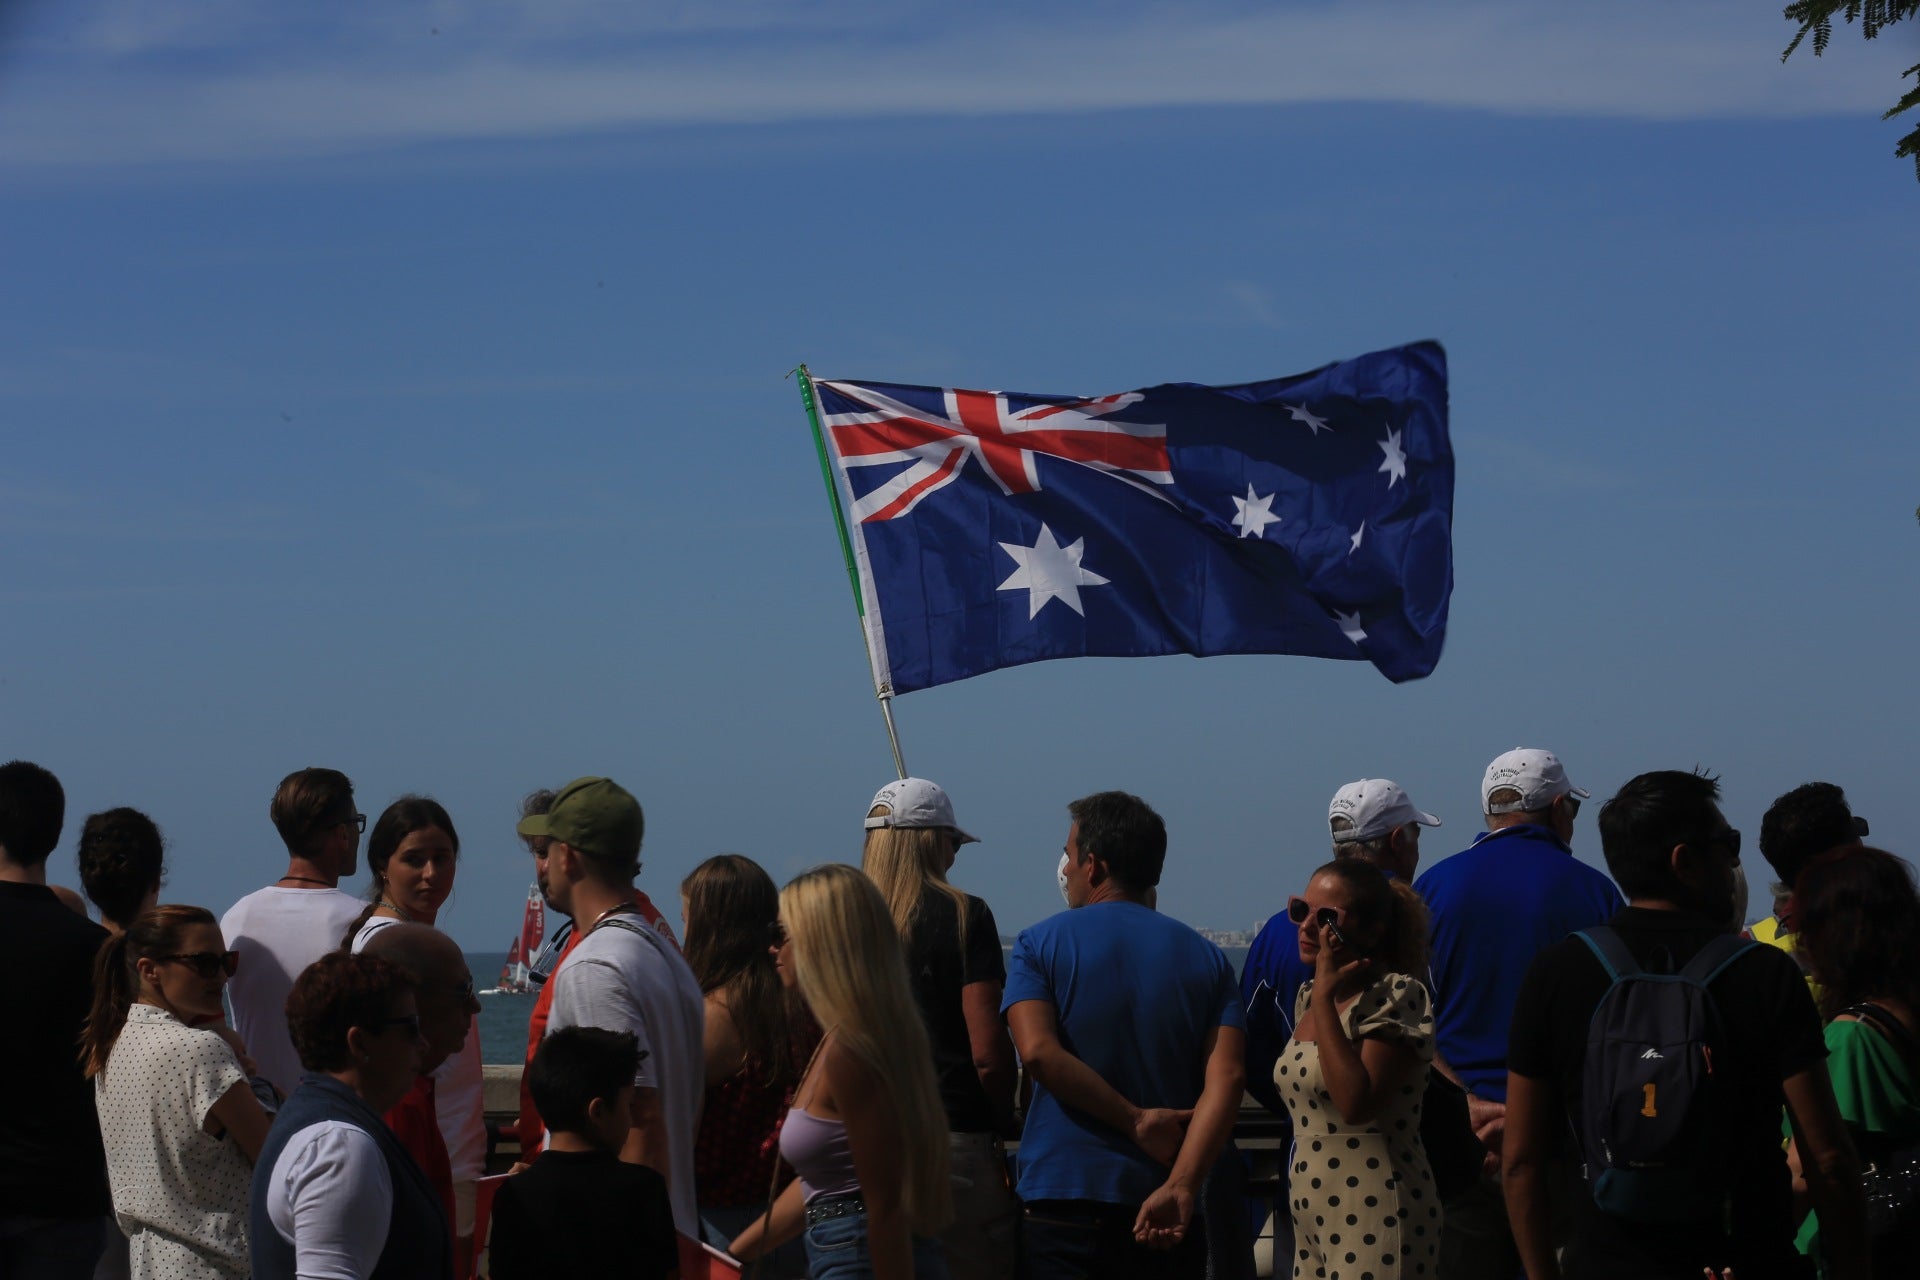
x=1537, y=775
x=1375, y=806
x=915, y=802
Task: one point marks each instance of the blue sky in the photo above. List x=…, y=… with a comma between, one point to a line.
x=412, y=403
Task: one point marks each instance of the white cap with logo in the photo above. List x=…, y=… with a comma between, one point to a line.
x=915, y=802
x=1537, y=775
x=1375, y=806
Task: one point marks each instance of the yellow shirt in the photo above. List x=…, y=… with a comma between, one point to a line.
x=1767, y=930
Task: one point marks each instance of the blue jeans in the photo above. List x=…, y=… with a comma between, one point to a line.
x=837, y=1250
x=35, y=1248
x=1088, y=1240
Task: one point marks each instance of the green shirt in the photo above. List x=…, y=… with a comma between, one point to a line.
x=1878, y=1096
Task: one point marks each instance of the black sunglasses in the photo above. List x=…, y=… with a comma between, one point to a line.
x=208, y=964
x=1727, y=842
x=776, y=934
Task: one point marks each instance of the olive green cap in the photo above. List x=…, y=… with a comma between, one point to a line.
x=597, y=816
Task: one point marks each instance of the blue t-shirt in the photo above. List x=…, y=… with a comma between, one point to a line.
x=1269, y=981
x=1134, y=994
x=1494, y=906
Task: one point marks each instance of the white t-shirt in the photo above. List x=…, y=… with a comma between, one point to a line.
x=459, y=1089
x=331, y=1198
x=279, y=932
x=629, y=979
x=179, y=1193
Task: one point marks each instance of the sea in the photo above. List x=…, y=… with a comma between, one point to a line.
x=503, y=1018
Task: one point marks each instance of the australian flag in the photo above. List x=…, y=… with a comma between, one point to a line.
x=1308, y=515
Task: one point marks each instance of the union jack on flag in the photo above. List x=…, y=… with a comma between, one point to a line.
x=1306, y=515
x=980, y=426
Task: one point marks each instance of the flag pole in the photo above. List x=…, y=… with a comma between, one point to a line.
x=846, y=551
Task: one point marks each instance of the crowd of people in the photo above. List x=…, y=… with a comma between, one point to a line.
x=1506, y=1064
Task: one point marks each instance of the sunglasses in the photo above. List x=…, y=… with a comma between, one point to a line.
x=1727, y=842
x=1299, y=910
x=208, y=964
x=777, y=934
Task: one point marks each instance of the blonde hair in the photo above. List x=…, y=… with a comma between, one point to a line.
x=905, y=862
x=853, y=972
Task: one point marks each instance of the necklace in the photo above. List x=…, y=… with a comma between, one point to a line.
x=308, y=880
x=397, y=909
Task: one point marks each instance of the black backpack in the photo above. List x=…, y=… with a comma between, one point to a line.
x=1651, y=1111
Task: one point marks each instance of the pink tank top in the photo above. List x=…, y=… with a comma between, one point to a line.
x=819, y=1152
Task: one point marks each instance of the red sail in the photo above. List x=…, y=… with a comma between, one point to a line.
x=533, y=926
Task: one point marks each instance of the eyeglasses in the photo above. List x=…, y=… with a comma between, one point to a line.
x=464, y=990
x=358, y=822
x=1299, y=909
x=776, y=934
x=1728, y=842
x=208, y=964
x=411, y=1021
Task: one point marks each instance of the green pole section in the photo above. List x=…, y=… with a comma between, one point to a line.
x=833, y=491
x=812, y=403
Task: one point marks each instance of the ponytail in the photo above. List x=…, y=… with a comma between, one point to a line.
x=113, y=987
x=359, y=923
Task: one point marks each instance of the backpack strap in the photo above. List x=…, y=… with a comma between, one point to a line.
x=1712, y=960
x=1610, y=951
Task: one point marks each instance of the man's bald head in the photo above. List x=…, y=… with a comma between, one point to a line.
x=443, y=988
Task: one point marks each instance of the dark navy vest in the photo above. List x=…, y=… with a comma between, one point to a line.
x=417, y=1245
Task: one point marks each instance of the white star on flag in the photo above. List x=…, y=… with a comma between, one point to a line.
x=1349, y=624
x=1300, y=414
x=1395, y=464
x=1360, y=533
x=1252, y=514
x=1049, y=571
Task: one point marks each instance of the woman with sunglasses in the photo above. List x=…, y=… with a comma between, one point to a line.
x=334, y=1192
x=1353, y=1077
x=958, y=973
x=867, y=1133
x=179, y=1121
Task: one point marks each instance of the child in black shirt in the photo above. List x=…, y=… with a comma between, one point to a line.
x=580, y=1212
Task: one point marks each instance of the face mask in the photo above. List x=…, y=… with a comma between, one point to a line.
x=1061, y=876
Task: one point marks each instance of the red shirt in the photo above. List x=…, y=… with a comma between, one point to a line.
x=529, y=1127
x=414, y=1121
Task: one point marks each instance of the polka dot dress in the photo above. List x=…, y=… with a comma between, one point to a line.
x=179, y=1193
x=1363, y=1203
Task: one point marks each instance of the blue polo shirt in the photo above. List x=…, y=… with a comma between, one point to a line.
x=1135, y=994
x=1494, y=906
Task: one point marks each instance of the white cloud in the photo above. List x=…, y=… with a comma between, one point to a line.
x=139, y=83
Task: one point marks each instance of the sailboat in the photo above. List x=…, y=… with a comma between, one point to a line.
x=533, y=926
